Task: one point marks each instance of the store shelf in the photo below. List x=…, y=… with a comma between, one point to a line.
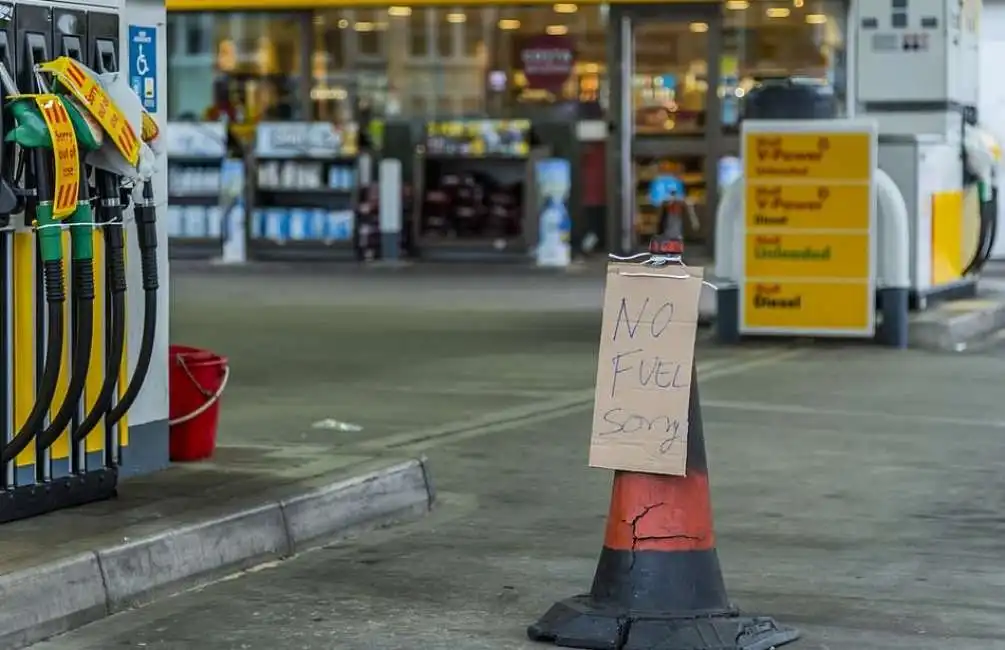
x=305, y=192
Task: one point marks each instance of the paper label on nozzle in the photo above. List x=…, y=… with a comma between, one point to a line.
x=92, y=96
x=64, y=153
x=640, y=414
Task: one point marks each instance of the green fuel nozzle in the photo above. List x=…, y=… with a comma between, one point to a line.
x=32, y=134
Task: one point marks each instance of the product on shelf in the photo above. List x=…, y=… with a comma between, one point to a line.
x=306, y=185
x=472, y=205
x=196, y=151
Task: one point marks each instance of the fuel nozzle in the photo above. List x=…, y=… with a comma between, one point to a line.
x=145, y=212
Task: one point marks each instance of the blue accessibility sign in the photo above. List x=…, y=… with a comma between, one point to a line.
x=143, y=65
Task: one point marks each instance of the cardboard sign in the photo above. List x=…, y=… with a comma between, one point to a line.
x=640, y=415
x=64, y=155
x=93, y=97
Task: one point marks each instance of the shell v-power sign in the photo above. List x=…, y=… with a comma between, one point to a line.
x=809, y=228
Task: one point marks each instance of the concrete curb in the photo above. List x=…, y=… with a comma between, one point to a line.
x=48, y=600
x=948, y=329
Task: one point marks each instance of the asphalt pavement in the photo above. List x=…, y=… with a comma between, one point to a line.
x=857, y=491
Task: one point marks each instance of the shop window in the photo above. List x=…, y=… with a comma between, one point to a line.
x=195, y=36
x=767, y=41
x=471, y=54
x=472, y=105
x=473, y=34
x=418, y=33
x=445, y=105
x=670, y=84
x=369, y=26
x=331, y=39
x=418, y=106
x=445, y=32
x=255, y=70
x=330, y=96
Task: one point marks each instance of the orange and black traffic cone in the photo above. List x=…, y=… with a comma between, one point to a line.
x=658, y=585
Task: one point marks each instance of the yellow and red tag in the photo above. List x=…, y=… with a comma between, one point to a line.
x=64, y=154
x=93, y=97
x=149, y=130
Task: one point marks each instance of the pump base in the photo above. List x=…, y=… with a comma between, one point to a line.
x=961, y=289
x=24, y=502
x=579, y=623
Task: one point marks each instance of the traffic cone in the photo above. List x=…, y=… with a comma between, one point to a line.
x=658, y=585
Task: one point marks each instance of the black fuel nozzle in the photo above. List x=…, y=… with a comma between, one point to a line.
x=145, y=213
x=110, y=216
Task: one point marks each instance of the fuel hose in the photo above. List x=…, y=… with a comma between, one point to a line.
x=988, y=231
x=82, y=273
x=51, y=254
x=110, y=216
x=145, y=212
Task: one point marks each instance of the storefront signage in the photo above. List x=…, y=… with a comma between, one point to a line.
x=808, y=206
x=833, y=255
x=304, y=139
x=547, y=61
x=808, y=228
x=807, y=156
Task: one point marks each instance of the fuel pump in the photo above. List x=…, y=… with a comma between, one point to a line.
x=43, y=129
x=89, y=138
x=121, y=154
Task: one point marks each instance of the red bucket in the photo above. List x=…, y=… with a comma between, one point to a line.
x=197, y=379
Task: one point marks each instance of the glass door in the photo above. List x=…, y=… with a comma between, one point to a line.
x=667, y=119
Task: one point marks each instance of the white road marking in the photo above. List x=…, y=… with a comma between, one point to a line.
x=793, y=409
x=542, y=411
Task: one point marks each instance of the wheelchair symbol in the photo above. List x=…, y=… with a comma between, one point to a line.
x=142, y=68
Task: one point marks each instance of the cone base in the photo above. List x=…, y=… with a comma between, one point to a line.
x=580, y=623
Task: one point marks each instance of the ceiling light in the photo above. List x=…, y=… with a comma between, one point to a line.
x=816, y=19
x=363, y=27
x=456, y=18
x=565, y=8
x=342, y=24
x=698, y=28
x=509, y=24
x=778, y=12
x=556, y=30
x=400, y=12
x=797, y=3
x=737, y=5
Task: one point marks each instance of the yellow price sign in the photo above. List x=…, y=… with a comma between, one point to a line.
x=819, y=306
x=93, y=97
x=808, y=156
x=64, y=153
x=805, y=206
x=831, y=255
